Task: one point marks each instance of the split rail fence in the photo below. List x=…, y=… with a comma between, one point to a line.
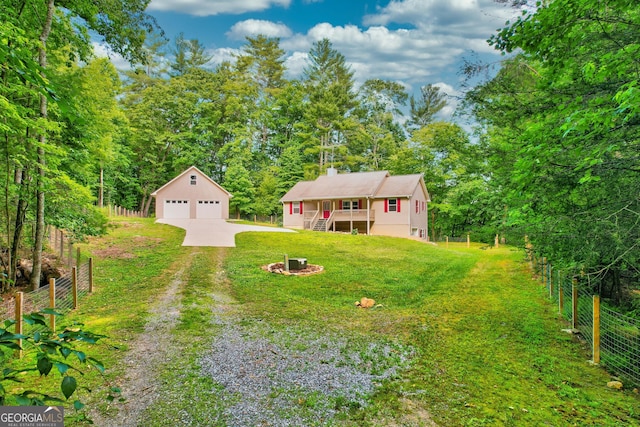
x=614, y=338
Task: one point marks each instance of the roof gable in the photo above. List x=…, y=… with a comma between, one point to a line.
x=402, y=186
x=192, y=169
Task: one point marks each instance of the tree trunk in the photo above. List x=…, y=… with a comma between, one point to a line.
x=21, y=212
x=147, y=206
x=39, y=237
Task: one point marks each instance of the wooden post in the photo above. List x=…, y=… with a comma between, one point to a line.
x=574, y=303
x=18, y=319
x=497, y=241
x=447, y=240
x=468, y=240
x=550, y=281
x=74, y=286
x=78, y=257
x=90, y=274
x=286, y=262
x=596, y=329
x=52, y=303
x=544, y=270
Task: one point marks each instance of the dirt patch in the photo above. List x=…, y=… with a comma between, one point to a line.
x=118, y=252
x=278, y=268
x=113, y=253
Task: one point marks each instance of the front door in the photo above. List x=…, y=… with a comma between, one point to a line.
x=326, y=209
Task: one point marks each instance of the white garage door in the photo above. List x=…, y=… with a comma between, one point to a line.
x=209, y=209
x=176, y=209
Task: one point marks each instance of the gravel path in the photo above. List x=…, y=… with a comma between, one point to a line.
x=145, y=354
x=292, y=377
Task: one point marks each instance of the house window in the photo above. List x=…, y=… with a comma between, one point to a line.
x=393, y=205
x=297, y=208
x=193, y=179
x=346, y=205
x=417, y=206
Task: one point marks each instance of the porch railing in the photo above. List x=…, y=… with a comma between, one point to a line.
x=310, y=219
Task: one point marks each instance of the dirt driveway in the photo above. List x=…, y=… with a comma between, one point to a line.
x=215, y=232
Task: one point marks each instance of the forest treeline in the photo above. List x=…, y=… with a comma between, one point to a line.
x=554, y=155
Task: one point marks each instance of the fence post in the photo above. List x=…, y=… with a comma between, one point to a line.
x=468, y=240
x=544, y=270
x=74, y=286
x=90, y=274
x=596, y=329
x=497, y=241
x=447, y=240
x=574, y=303
x=52, y=303
x=18, y=318
x=78, y=257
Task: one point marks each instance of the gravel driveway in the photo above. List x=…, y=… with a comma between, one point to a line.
x=215, y=232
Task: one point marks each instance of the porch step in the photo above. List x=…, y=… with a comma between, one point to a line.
x=320, y=225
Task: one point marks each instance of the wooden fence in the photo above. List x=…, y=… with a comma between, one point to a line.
x=614, y=338
x=120, y=211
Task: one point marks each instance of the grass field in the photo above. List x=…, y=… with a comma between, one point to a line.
x=486, y=347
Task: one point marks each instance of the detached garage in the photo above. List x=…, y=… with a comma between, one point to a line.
x=191, y=195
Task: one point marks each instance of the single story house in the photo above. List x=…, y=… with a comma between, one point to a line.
x=374, y=203
x=191, y=195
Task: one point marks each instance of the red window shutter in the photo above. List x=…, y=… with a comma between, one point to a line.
x=340, y=204
x=360, y=204
x=398, y=203
x=386, y=205
x=301, y=205
x=291, y=208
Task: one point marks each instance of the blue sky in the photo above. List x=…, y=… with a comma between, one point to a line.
x=413, y=42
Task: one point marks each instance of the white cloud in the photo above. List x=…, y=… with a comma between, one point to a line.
x=436, y=35
x=101, y=50
x=220, y=55
x=214, y=7
x=254, y=27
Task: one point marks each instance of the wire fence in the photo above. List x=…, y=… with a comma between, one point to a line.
x=614, y=339
x=61, y=294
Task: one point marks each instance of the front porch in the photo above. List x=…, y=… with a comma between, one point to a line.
x=345, y=220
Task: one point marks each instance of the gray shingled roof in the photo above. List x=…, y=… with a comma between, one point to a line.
x=354, y=185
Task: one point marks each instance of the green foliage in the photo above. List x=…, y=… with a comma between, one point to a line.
x=46, y=350
x=564, y=137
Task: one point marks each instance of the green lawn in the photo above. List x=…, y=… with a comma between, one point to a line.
x=486, y=346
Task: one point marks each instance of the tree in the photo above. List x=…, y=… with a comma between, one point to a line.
x=122, y=23
x=570, y=173
x=423, y=109
x=329, y=84
x=380, y=133
x=188, y=54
